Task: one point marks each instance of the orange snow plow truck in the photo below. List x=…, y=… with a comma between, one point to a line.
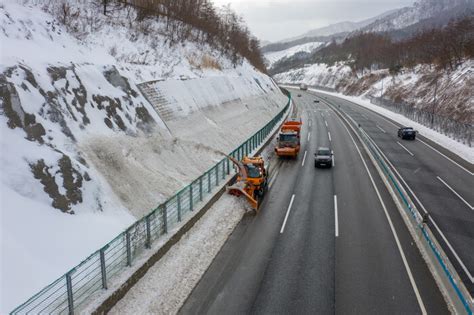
x=288, y=141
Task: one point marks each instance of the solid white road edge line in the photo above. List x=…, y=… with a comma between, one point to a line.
x=287, y=214
x=462, y=167
x=329, y=135
x=471, y=277
x=304, y=158
x=273, y=178
x=381, y=129
x=336, y=220
x=392, y=228
x=405, y=148
x=450, y=188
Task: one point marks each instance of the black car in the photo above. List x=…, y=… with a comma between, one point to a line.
x=407, y=133
x=299, y=95
x=323, y=157
x=316, y=101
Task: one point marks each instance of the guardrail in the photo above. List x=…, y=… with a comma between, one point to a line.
x=457, y=293
x=74, y=289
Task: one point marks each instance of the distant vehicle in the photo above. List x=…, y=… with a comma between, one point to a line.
x=303, y=87
x=299, y=95
x=323, y=157
x=407, y=133
x=316, y=101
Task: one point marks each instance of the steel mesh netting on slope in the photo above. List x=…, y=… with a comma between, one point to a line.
x=75, y=288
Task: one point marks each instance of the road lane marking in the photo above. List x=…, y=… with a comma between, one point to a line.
x=329, y=135
x=364, y=116
x=469, y=172
x=463, y=266
x=304, y=158
x=333, y=159
x=405, y=148
x=450, y=188
x=273, y=178
x=287, y=214
x=381, y=129
x=326, y=123
x=392, y=228
x=309, y=135
x=336, y=220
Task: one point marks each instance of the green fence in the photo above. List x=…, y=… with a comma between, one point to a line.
x=76, y=287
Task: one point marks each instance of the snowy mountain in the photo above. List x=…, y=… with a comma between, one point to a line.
x=83, y=151
x=421, y=10
x=341, y=27
x=273, y=57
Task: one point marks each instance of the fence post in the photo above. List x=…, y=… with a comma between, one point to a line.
x=148, y=232
x=129, y=249
x=200, y=188
x=217, y=174
x=70, y=297
x=228, y=166
x=209, y=181
x=164, y=212
x=191, y=197
x=223, y=169
x=179, y=206
x=102, y=267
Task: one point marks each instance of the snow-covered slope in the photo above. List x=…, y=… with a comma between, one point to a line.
x=83, y=152
x=274, y=57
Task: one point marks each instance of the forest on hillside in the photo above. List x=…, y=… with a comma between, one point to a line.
x=185, y=20
x=444, y=47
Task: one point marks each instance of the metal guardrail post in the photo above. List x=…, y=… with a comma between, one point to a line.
x=217, y=174
x=164, y=212
x=70, y=297
x=191, y=197
x=103, y=270
x=200, y=188
x=178, y=197
x=228, y=166
x=209, y=181
x=223, y=169
x=129, y=249
x=148, y=232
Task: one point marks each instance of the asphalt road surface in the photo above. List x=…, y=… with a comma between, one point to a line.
x=325, y=240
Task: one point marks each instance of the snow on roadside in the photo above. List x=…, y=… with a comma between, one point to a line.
x=169, y=282
x=462, y=150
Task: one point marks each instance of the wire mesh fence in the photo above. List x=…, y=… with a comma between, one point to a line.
x=75, y=289
x=461, y=132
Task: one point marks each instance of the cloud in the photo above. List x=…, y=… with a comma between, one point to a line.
x=278, y=19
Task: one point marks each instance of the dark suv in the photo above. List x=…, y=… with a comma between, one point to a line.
x=323, y=157
x=407, y=133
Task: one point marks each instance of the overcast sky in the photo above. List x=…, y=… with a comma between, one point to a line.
x=279, y=19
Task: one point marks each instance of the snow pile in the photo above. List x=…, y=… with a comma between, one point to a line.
x=169, y=282
x=274, y=57
x=83, y=153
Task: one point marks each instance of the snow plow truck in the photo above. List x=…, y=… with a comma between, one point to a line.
x=251, y=180
x=288, y=141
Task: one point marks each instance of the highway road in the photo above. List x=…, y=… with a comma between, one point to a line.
x=439, y=182
x=325, y=240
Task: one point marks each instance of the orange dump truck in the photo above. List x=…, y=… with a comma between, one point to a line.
x=288, y=141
